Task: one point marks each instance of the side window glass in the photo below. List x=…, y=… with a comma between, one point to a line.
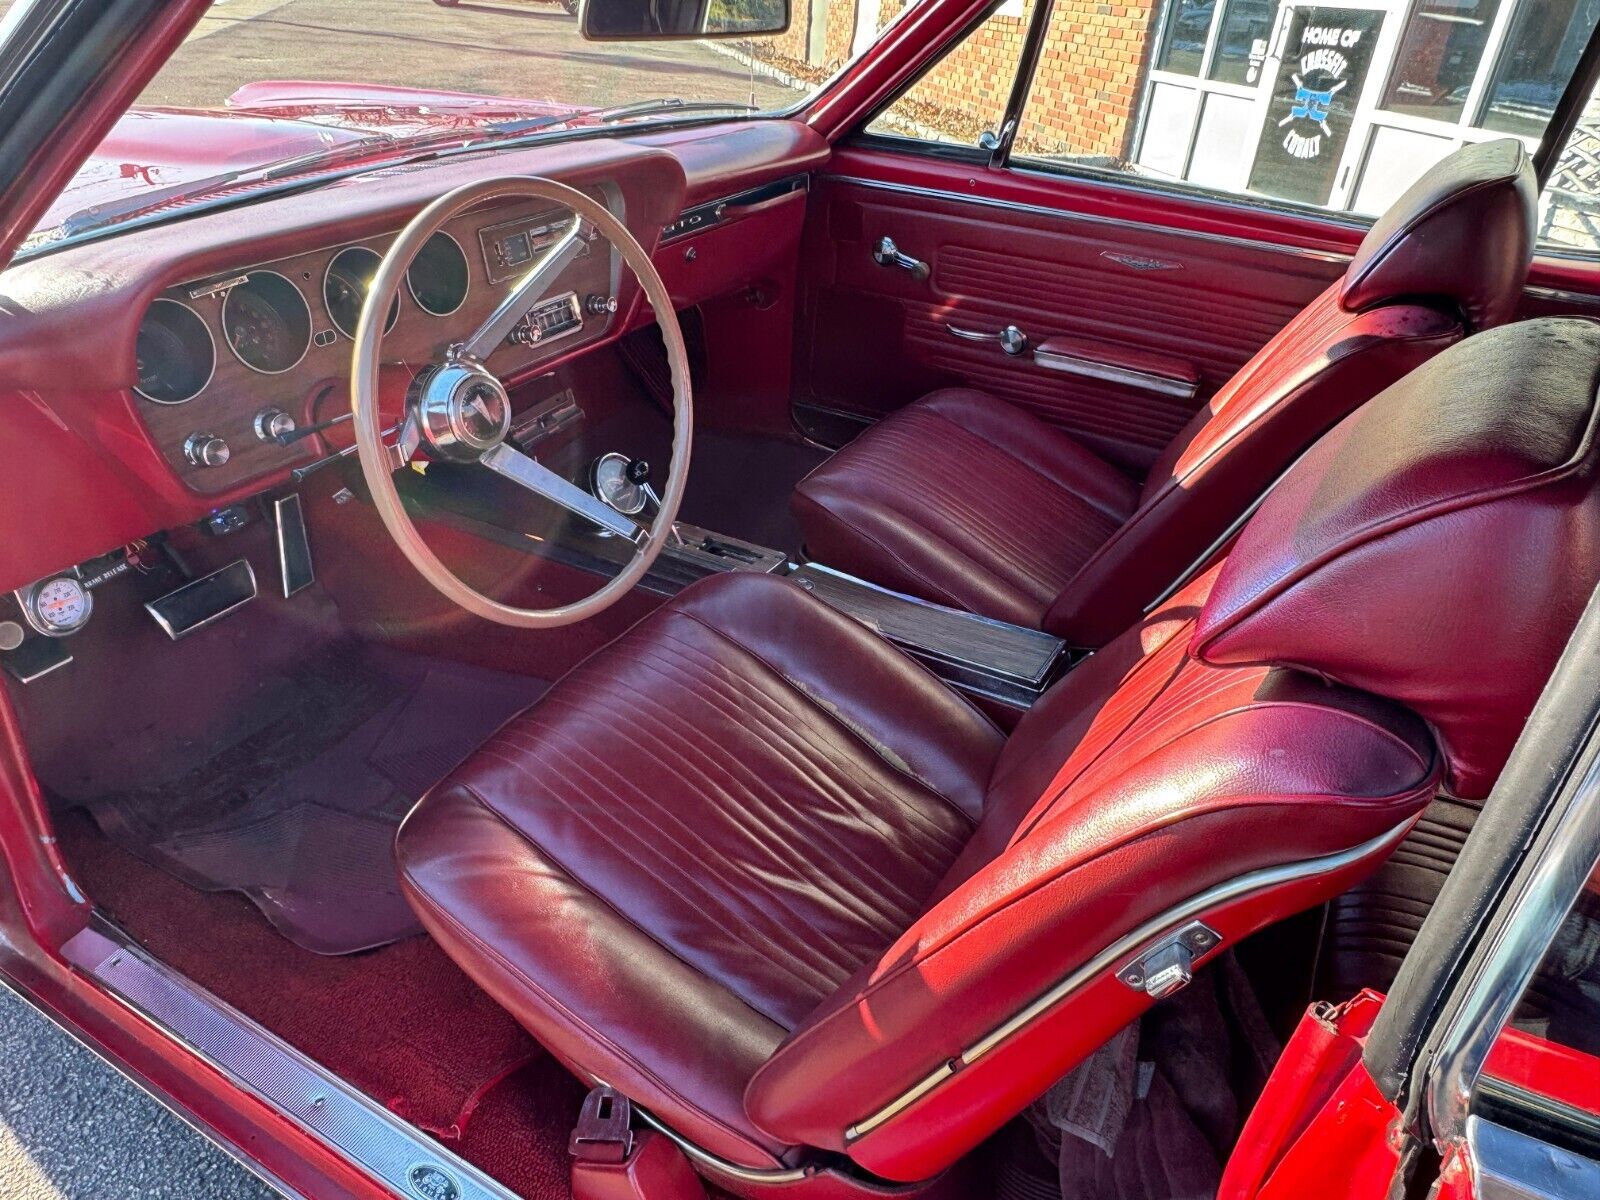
x=961, y=99
x=1335, y=104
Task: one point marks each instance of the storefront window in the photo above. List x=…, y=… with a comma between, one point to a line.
x=1540, y=54
x=1242, y=41
x=1183, y=41
x=1439, y=57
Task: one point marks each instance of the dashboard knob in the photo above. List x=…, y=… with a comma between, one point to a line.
x=206, y=450
x=600, y=305
x=273, y=423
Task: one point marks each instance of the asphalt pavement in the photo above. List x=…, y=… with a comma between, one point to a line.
x=71, y=1128
x=523, y=48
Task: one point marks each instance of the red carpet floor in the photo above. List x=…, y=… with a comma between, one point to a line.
x=402, y=1023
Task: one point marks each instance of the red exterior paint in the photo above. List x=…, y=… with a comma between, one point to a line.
x=1320, y=1127
x=1545, y=1068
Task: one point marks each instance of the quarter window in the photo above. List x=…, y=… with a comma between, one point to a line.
x=961, y=100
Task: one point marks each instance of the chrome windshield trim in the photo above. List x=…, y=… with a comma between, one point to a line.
x=1067, y=214
x=1127, y=947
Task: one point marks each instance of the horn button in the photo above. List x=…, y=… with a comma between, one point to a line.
x=462, y=411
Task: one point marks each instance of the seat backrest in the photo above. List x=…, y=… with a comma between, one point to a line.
x=1380, y=630
x=1449, y=257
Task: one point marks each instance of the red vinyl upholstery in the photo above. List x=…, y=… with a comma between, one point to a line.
x=761, y=872
x=966, y=500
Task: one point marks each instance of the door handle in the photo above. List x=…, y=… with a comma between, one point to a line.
x=887, y=254
x=1012, y=340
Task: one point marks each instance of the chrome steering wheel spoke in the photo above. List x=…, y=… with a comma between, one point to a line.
x=527, y=292
x=542, y=481
x=408, y=438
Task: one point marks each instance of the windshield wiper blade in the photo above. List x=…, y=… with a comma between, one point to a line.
x=129, y=207
x=618, y=112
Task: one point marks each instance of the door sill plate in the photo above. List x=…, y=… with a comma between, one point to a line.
x=347, y=1121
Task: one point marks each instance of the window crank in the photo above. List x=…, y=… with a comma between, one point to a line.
x=1012, y=340
x=887, y=254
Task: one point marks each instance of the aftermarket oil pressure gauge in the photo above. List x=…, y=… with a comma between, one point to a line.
x=57, y=606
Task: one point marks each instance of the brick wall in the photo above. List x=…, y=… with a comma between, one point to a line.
x=1086, y=90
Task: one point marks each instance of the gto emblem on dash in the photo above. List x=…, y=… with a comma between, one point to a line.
x=432, y=1183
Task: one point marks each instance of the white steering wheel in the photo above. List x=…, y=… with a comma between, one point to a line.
x=458, y=411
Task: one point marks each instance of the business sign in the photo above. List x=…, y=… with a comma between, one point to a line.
x=1326, y=56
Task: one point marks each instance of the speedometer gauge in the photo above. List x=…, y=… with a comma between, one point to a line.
x=611, y=480
x=267, y=322
x=346, y=284
x=57, y=606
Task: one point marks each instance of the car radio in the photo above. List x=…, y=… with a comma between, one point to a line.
x=548, y=320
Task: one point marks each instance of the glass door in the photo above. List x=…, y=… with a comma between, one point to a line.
x=1318, y=86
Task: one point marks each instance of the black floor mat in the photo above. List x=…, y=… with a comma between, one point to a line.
x=300, y=814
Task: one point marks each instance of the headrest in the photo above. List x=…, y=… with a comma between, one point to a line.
x=1463, y=232
x=1437, y=546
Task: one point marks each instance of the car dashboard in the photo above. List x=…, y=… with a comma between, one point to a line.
x=158, y=375
x=233, y=367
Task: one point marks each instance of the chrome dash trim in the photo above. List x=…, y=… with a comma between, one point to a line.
x=719, y=1165
x=1120, y=951
x=1067, y=214
x=320, y=1104
x=1089, y=368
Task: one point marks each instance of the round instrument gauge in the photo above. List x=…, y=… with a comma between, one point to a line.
x=176, y=353
x=609, y=481
x=267, y=322
x=438, y=277
x=57, y=606
x=346, y=284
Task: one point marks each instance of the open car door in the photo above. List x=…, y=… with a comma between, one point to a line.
x=1477, y=1075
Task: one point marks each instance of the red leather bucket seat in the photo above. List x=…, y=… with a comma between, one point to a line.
x=966, y=500
x=811, y=910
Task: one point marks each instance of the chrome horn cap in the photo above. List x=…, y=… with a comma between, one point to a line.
x=461, y=410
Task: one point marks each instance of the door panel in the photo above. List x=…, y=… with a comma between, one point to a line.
x=874, y=338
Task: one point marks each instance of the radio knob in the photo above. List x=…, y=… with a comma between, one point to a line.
x=273, y=423
x=206, y=450
x=601, y=305
x=524, y=334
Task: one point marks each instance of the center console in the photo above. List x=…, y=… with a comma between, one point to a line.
x=1004, y=665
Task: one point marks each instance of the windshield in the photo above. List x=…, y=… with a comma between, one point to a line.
x=287, y=89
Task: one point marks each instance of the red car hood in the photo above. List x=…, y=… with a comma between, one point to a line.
x=153, y=148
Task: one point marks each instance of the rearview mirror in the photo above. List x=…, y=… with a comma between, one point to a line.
x=662, y=20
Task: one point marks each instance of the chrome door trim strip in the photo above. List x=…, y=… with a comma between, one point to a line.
x=1537, y=901
x=1123, y=950
x=1088, y=368
x=319, y=1103
x=1507, y=1165
x=1063, y=214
